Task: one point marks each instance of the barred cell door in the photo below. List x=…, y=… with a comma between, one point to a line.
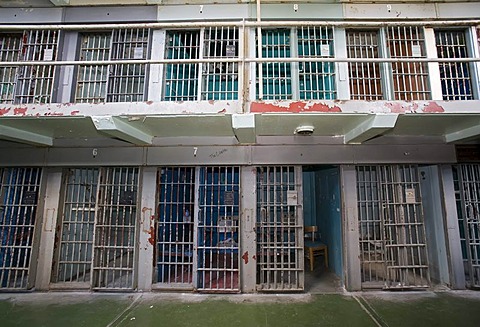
x=280, y=261
x=392, y=234
x=217, y=229
x=19, y=193
x=175, y=244
x=96, y=234
x=467, y=186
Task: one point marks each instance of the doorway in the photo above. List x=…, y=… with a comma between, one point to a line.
x=322, y=208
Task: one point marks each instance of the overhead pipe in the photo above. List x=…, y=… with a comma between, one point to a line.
x=257, y=23
x=230, y=60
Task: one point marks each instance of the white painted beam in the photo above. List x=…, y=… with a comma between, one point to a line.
x=116, y=127
x=463, y=134
x=60, y=2
x=23, y=136
x=244, y=128
x=370, y=128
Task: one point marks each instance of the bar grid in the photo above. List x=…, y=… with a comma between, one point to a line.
x=316, y=79
x=365, y=78
x=75, y=230
x=28, y=84
x=181, y=80
x=112, y=83
x=455, y=76
x=218, y=228
x=410, y=79
x=92, y=79
x=397, y=235
x=467, y=190
x=19, y=194
x=115, y=229
x=220, y=80
x=127, y=81
x=276, y=76
x=279, y=231
x=175, y=243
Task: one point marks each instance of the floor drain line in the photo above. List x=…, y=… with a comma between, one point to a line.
x=370, y=312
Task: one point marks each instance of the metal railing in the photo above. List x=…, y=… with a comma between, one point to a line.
x=304, y=68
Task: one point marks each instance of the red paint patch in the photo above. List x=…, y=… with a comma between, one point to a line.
x=433, y=107
x=222, y=111
x=254, y=257
x=245, y=257
x=4, y=111
x=149, y=102
x=321, y=107
x=75, y=112
x=396, y=107
x=294, y=107
x=151, y=239
x=20, y=111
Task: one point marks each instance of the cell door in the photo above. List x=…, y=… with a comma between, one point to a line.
x=217, y=229
x=467, y=187
x=115, y=236
x=280, y=262
x=175, y=245
x=19, y=192
x=74, y=241
x=392, y=233
x=96, y=234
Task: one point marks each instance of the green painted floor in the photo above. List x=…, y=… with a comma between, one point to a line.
x=157, y=309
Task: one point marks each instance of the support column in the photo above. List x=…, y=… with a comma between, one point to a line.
x=47, y=233
x=454, y=249
x=248, y=235
x=353, y=281
x=341, y=77
x=155, y=90
x=146, y=239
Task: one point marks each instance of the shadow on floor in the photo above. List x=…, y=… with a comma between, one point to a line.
x=322, y=281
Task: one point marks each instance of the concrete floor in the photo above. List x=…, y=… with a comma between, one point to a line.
x=168, y=309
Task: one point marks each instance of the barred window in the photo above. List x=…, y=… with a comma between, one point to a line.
x=410, y=79
x=27, y=84
x=455, y=76
x=112, y=82
x=365, y=77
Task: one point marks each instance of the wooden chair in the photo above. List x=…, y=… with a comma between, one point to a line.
x=314, y=247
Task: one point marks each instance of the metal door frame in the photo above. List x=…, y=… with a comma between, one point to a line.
x=227, y=235
x=133, y=197
x=191, y=215
x=467, y=224
x=290, y=199
x=37, y=217
x=405, y=264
